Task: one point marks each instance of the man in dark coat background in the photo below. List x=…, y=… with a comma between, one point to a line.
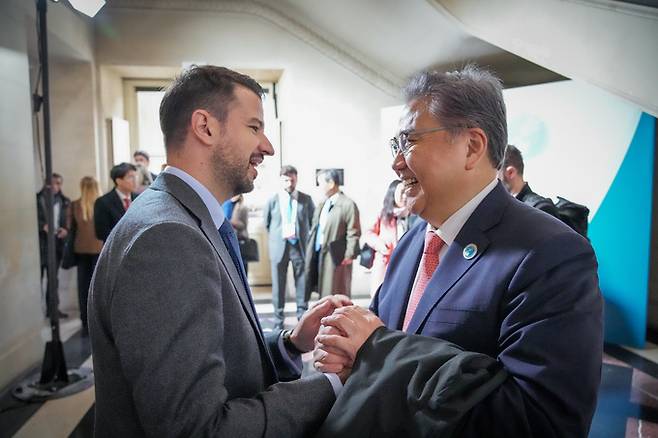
x=111, y=207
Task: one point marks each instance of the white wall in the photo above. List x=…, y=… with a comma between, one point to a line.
x=330, y=116
x=20, y=315
x=608, y=44
x=74, y=145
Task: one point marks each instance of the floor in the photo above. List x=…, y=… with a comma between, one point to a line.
x=628, y=397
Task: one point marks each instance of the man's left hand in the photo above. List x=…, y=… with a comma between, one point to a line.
x=346, y=262
x=356, y=323
x=303, y=336
x=62, y=233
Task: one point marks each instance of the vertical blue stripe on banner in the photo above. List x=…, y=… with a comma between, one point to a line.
x=621, y=236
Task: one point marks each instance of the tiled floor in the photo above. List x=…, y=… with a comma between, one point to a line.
x=627, y=407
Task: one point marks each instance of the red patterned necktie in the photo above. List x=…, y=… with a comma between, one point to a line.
x=126, y=203
x=428, y=264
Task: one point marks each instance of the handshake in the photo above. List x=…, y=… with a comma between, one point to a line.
x=335, y=329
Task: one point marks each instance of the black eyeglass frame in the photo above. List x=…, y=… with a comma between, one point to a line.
x=400, y=143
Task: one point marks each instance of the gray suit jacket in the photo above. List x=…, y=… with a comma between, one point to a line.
x=176, y=345
x=273, y=223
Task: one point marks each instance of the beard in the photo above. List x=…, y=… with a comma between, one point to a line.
x=230, y=172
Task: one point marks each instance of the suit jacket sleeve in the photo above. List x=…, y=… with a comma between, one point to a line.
x=289, y=365
x=353, y=232
x=410, y=386
x=163, y=321
x=550, y=343
x=102, y=222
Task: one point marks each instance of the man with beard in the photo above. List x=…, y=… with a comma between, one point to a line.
x=178, y=349
x=483, y=276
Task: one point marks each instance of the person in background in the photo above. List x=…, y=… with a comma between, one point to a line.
x=238, y=214
x=288, y=217
x=145, y=176
x=111, y=207
x=511, y=174
x=86, y=246
x=334, y=240
x=61, y=205
x=391, y=224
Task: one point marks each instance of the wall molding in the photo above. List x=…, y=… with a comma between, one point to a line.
x=346, y=56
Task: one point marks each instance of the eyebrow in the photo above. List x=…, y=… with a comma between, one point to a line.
x=259, y=122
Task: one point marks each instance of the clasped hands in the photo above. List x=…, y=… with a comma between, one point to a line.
x=341, y=336
x=335, y=330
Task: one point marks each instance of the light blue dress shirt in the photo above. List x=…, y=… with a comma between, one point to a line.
x=217, y=214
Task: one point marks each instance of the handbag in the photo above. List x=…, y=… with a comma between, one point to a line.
x=367, y=256
x=69, y=259
x=249, y=250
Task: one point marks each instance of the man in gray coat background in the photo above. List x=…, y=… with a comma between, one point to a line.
x=177, y=346
x=288, y=217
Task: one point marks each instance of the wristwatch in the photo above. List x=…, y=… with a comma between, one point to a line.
x=287, y=342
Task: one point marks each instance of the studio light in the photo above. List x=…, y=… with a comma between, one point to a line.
x=87, y=7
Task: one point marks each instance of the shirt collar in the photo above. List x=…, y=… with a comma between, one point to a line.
x=122, y=196
x=452, y=226
x=211, y=203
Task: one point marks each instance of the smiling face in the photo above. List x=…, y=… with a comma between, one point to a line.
x=434, y=168
x=242, y=145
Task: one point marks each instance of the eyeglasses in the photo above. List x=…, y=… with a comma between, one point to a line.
x=401, y=145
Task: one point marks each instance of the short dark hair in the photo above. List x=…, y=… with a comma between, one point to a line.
x=288, y=170
x=143, y=154
x=57, y=175
x=330, y=175
x=514, y=158
x=120, y=170
x=468, y=98
x=201, y=87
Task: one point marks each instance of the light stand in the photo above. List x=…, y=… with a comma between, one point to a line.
x=55, y=380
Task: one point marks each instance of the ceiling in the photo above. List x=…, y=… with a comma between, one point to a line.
x=390, y=37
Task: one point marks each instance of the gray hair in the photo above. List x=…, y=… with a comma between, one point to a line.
x=468, y=98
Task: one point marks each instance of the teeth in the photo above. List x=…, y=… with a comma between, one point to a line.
x=409, y=181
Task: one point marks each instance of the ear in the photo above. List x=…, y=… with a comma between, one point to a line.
x=510, y=172
x=476, y=148
x=204, y=127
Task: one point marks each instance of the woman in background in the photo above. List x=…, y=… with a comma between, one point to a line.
x=392, y=222
x=86, y=246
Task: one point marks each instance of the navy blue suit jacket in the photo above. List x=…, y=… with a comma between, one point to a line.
x=529, y=298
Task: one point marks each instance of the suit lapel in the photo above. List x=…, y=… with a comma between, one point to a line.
x=404, y=276
x=181, y=191
x=454, y=264
x=117, y=205
x=451, y=268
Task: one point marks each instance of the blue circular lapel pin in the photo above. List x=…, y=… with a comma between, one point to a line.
x=470, y=251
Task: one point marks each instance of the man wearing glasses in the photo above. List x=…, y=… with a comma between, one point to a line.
x=482, y=271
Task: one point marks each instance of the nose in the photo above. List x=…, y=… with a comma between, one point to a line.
x=398, y=163
x=265, y=146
